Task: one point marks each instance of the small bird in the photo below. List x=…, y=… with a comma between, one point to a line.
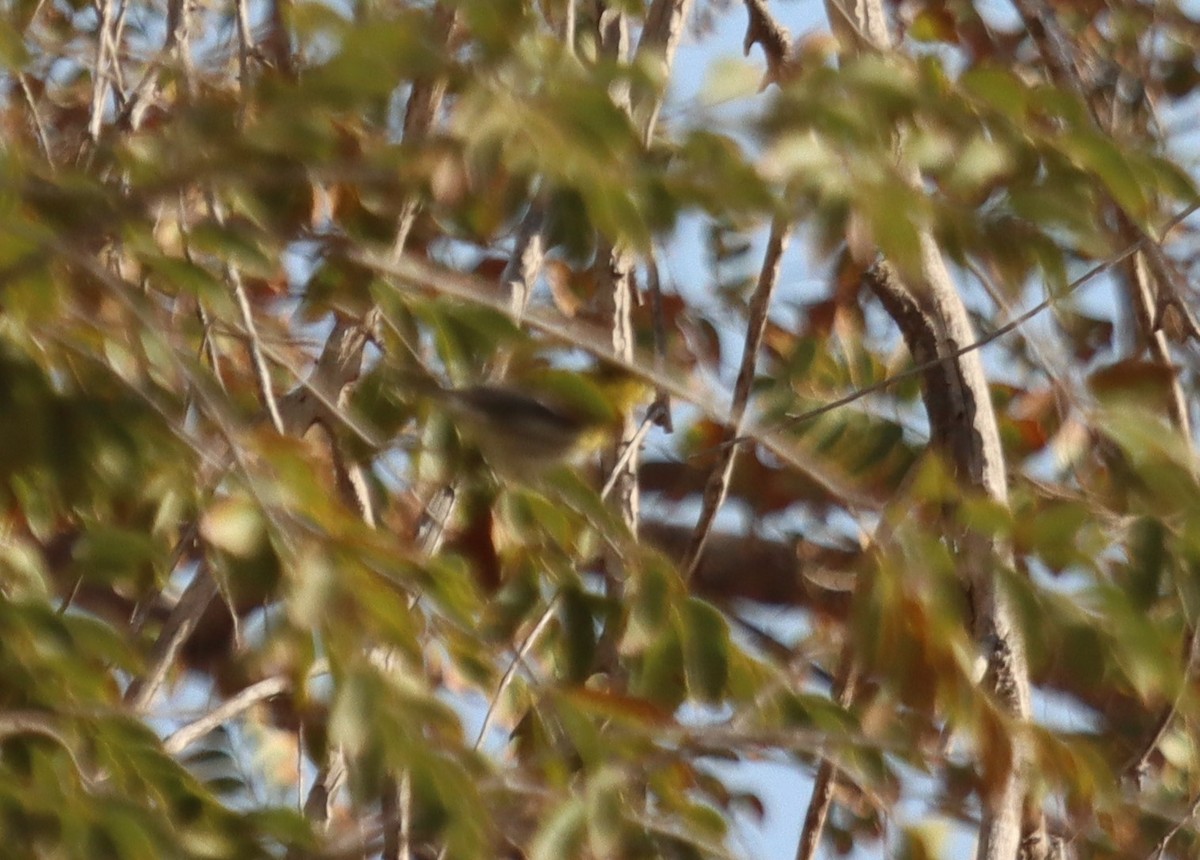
x=517, y=429
x=556, y=416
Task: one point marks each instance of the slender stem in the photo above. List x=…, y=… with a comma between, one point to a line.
x=717, y=486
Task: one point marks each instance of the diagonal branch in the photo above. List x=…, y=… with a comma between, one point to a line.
x=195, y=599
x=232, y=707
x=718, y=483
x=262, y=373
x=762, y=29
x=99, y=76
x=933, y=320
x=823, y=783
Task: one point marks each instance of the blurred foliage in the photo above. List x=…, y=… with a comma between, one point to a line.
x=183, y=221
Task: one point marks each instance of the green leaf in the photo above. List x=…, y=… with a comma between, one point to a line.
x=13, y=53
x=372, y=61
x=706, y=648
x=1103, y=159
x=1147, y=561
x=101, y=642
x=1053, y=533
x=707, y=825
x=635, y=712
x=113, y=553
x=177, y=275
x=649, y=600
x=563, y=833
x=234, y=525
x=578, y=627
x=287, y=825
x=606, y=818
x=894, y=214
x=731, y=78
x=659, y=675
x=998, y=87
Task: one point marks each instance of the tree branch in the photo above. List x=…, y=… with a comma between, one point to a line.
x=232, y=707
x=934, y=323
x=195, y=599
x=722, y=471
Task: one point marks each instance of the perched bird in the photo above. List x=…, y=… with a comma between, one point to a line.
x=516, y=428
x=554, y=416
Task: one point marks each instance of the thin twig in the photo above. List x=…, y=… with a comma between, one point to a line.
x=717, y=486
x=208, y=345
x=827, y=772
x=525, y=647
x=997, y=333
x=232, y=707
x=262, y=373
x=1140, y=765
x=38, y=127
x=99, y=80
x=14, y=723
x=846, y=681
x=1161, y=848
x=116, y=37
x=179, y=625
x=662, y=397
x=245, y=38
x=628, y=449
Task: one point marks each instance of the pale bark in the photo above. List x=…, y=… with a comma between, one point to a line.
x=933, y=319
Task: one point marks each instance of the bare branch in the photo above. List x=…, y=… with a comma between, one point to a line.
x=527, y=644
x=99, y=78
x=232, y=707
x=718, y=482
x=245, y=39
x=261, y=372
x=995, y=335
x=13, y=723
x=36, y=118
x=934, y=323
x=762, y=29
x=823, y=783
x=1160, y=849
x=661, y=32
x=183, y=619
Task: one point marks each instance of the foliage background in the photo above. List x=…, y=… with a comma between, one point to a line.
x=252, y=576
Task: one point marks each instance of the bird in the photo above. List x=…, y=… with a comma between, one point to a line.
x=530, y=425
